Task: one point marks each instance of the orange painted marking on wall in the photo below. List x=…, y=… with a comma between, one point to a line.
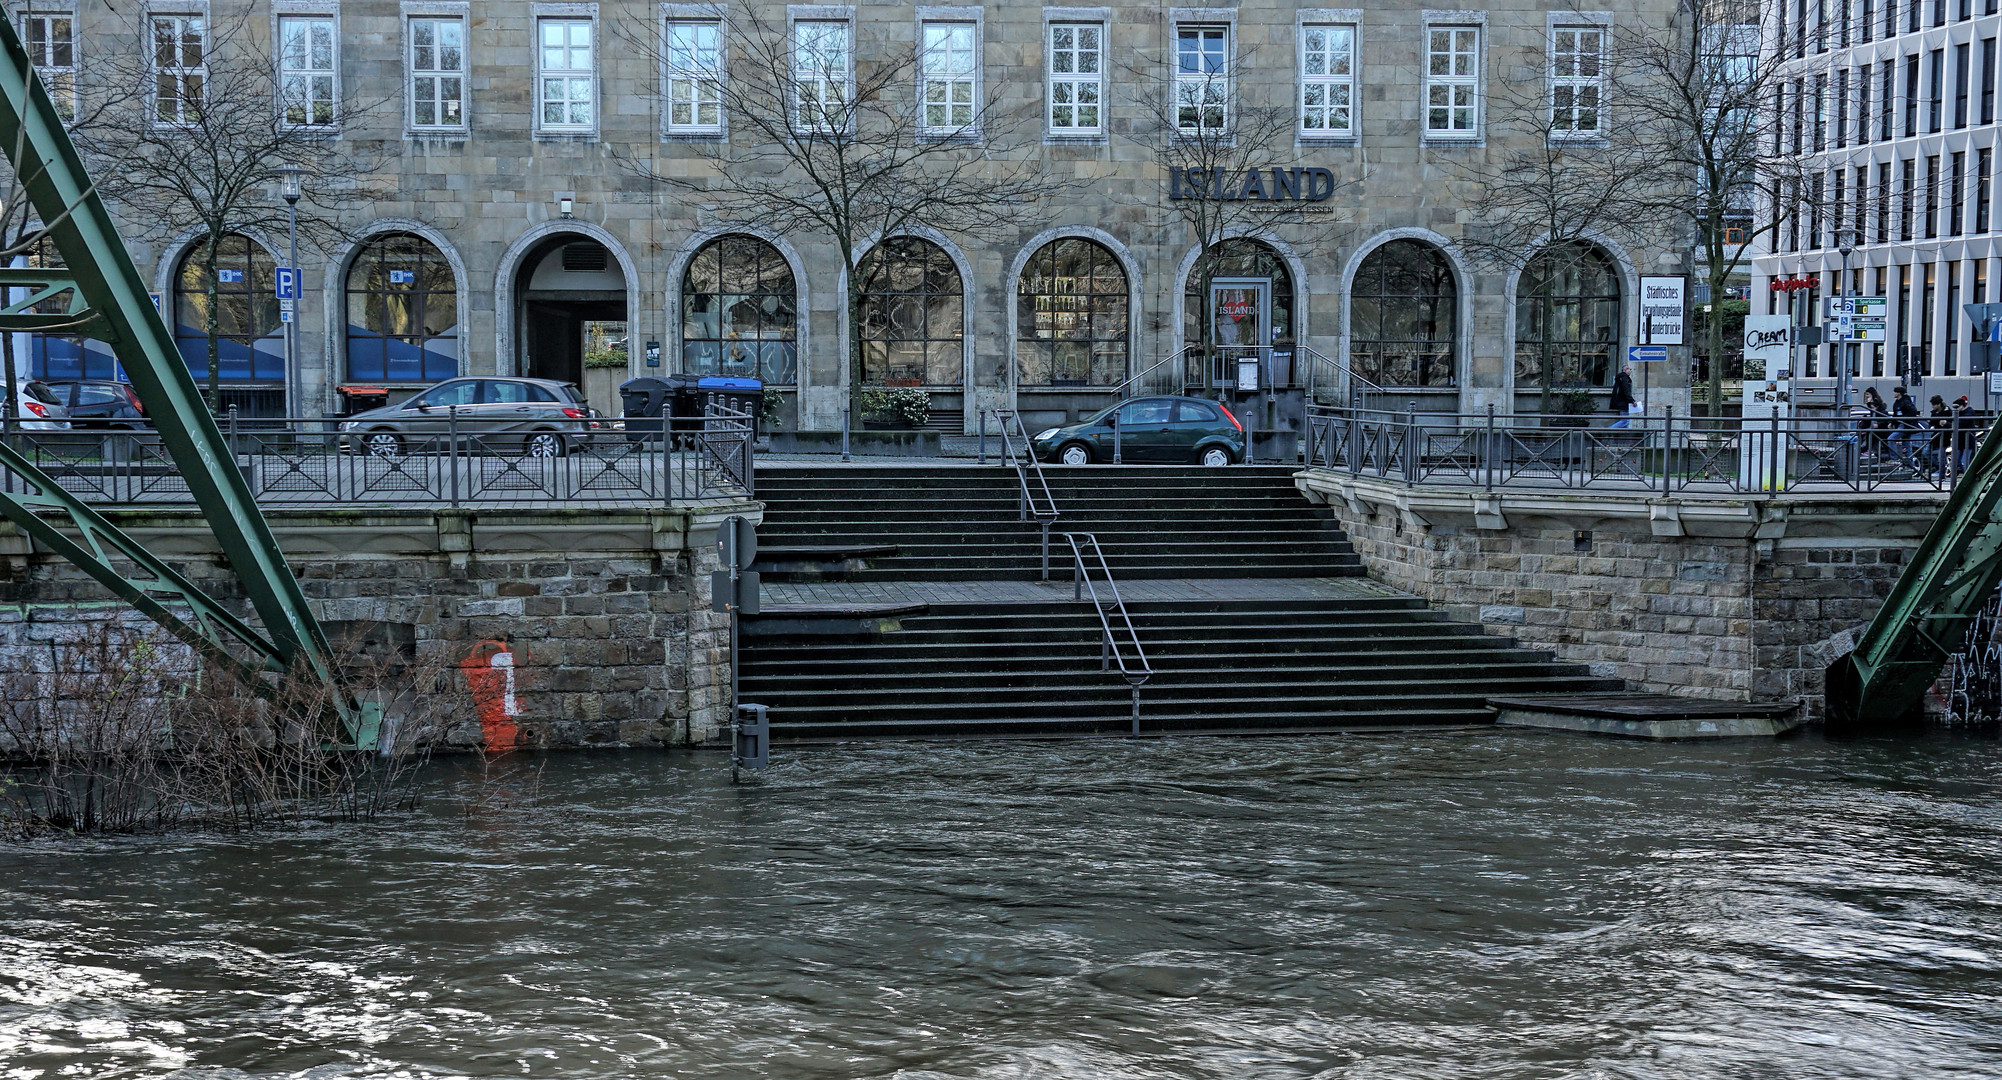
x=489, y=672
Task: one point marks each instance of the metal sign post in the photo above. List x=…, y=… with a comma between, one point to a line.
x=733, y=590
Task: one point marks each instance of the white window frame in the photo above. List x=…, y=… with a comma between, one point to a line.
x=60, y=79
x=1070, y=85
x=1324, y=95
x=829, y=85
x=570, y=16
x=684, y=79
x=1461, y=88
x=1201, y=83
x=308, y=10
x=1577, y=31
x=183, y=16
x=433, y=10
x=945, y=83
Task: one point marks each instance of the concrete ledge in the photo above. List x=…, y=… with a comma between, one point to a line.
x=1649, y=716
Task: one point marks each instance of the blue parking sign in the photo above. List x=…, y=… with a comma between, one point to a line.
x=288, y=283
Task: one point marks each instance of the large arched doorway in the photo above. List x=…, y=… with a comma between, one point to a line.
x=1403, y=325
x=1567, y=321
x=1249, y=301
x=570, y=309
x=740, y=312
x=249, y=338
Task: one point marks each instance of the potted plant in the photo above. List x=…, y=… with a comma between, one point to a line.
x=1575, y=406
x=901, y=408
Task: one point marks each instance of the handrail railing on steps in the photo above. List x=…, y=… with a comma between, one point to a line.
x=1110, y=650
x=1178, y=358
x=1024, y=464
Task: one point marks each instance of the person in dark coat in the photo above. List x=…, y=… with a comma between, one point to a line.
x=1876, y=421
x=1905, y=435
x=1623, y=390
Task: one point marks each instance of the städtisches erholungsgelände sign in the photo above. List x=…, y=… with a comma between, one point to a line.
x=1277, y=187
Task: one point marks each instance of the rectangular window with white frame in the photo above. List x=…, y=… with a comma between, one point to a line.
x=50, y=35
x=566, y=74
x=950, y=66
x=1077, y=78
x=694, y=76
x=1202, y=78
x=306, y=69
x=180, y=66
x=823, y=55
x=437, y=73
x=1453, y=82
x=1327, y=81
x=1577, y=80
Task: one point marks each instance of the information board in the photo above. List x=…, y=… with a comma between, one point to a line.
x=1664, y=309
x=1856, y=318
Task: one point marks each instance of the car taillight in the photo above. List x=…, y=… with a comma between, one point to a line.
x=133, y=397
x=37, y=408
x=1228, y=415
x=574, y=414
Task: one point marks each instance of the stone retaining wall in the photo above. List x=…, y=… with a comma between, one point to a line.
x=1730, y=598
x=605, y=611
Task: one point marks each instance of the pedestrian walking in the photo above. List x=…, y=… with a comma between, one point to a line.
x=1875, y=423
x=1906, y=433
x=1623, y=391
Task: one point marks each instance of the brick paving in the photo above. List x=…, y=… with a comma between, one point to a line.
x=1041, y=592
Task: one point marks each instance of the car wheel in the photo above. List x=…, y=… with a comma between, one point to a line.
x=383, y=444
x=1214, y=457
x=1074, y=454
x=543, y=444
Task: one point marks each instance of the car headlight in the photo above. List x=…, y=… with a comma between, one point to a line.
x=349, y=427
x=1041, y=435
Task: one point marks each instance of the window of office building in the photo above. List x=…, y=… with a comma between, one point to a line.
x=1452, y=81
x=402, y=312
x=1077, y=78
x=912, y=315
x=1071, y=316
x=566, y=74
x=1327, y=80
x=1956, y=182
x=1984, y=164
x=180, y=67
x=50, y=36
x=250, y=342
x=1202, y=78
x=740, y=312
x=1575, y=79
x=1961, y=70
x=1567, y=318
x=694, y=76
x=1935, y=90
x=1932, y=197
x=438, y=73
x=1402, y=321
x=306, y=69
x=822, y=63
x=950, y=70
x=1952, y=316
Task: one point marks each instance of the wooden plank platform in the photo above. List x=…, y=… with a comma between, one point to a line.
x=1649, y=716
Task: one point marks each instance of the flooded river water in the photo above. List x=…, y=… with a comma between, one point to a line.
x=1485, y=904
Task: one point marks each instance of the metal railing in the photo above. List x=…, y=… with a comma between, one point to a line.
x=1111, y=650
x=1169, y=376
x=1656, y=454
x=454, y=457
x=1025, y=463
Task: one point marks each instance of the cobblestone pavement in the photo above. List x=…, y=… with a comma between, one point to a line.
x=1041, y=592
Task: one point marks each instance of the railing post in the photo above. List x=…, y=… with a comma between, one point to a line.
x=1488, y=450
x=1115, y=437
x=983, y=436
x=1046, y=549
x=452, y=449
x=1410, y=444
x=1667, y=444
x=844, y=433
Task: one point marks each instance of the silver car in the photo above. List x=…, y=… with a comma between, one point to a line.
x=537, y=417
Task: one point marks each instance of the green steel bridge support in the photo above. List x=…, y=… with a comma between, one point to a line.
x=1881, y=684
x=99, y=293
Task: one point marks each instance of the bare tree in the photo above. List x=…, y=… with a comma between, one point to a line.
x=830, y=135
x=205, y=142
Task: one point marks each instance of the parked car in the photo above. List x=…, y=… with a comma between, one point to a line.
x=39, y=408
x=540, y=417
x=1151, y=430
x=100, y=403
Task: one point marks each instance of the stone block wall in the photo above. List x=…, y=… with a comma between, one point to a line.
x=1734, y=599
x=606, y=613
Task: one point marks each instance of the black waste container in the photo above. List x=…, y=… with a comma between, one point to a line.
x=643, y=401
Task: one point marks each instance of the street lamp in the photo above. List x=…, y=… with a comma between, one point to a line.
x=1844, y=352
x=290, y=175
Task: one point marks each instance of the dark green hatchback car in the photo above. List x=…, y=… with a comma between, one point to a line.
x=1152, y=430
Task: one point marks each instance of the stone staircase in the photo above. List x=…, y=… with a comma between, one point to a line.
x=907, y=602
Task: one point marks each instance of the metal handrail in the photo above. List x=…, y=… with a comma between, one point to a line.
x=1023, y=466
x=1179, y=356
x=1137, y=673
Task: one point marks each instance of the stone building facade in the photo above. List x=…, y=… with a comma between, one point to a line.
x=516, y=233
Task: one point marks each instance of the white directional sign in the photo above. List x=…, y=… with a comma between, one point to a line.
x=1664, y=309
x=1856, y=318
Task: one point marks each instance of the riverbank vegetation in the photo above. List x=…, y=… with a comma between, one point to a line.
x=114, y=729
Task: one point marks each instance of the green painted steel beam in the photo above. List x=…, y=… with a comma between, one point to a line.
x=32, y=135
x=1881, y=684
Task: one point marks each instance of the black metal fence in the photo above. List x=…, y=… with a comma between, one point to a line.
x=1665, y=454
x=451, y=458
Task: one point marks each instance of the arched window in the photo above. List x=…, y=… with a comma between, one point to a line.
x=911, y=308
x=1071, y=316
x=1236, y=260
x=58, y=356
x=740, y=312
x=403, y=312
x=251, y=342
x=1401, y=316
x=1567, y=318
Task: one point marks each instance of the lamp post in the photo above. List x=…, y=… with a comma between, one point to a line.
x=294, y=378
x=1843, y=348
